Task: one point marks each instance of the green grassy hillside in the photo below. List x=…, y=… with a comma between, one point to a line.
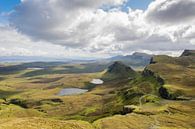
x=178, y=73
x=118, y=70
x=160, y=97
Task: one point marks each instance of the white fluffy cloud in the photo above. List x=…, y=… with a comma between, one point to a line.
x=81, y=26
x=13, y=43
x=58, y=21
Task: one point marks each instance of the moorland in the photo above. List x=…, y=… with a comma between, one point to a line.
x=138, y=92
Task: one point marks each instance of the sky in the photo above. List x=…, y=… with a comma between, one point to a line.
x=8, y=5
x=100, y=28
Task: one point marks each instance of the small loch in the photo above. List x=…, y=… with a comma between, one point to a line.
x=97, y=81
x=35, y=68
x=71, y=91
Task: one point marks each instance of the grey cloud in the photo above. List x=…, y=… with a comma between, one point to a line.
x=54, y=20
x=159, y=46
x=171, y=11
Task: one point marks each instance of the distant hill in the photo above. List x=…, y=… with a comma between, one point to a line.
x=119, y=70
x=46, y=65
x=135, y=60
x=187, y=61
x=28, y=59
x=24, y=59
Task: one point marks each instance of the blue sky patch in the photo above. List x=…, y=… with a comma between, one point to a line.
x=137, y=4
x=8, y=5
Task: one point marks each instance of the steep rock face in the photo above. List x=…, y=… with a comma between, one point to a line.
x=152, y=61
x=176, y=75
x=188, y=53
x=149, y=73
x=119, y=70
x=164, y=92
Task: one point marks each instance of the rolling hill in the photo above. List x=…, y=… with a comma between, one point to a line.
x=178, y=73
x=159, y=97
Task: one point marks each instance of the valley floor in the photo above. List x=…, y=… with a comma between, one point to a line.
x=33, y=103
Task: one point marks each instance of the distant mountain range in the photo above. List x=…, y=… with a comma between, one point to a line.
x=28, y=59
x=41, y=59
x=135, y=60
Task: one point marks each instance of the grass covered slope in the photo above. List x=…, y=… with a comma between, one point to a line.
x=42, y=123
x=170, y=76
x=118, y=70
x=37, y=96
x=32, y=102
x=178, y=73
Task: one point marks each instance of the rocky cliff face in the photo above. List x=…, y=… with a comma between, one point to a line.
x=149, y=73
x=176, y=75
x=188, y=53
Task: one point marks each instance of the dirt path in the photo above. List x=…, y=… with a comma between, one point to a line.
x=156, y=124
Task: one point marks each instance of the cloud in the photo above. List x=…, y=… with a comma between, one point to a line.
x=56, y=20
x=171, y=11
x=15, y=44
x=83, y=27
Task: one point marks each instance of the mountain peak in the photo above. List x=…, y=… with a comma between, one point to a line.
x=119, y=70
x=188, y=53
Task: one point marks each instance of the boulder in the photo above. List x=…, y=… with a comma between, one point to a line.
x=129, y=109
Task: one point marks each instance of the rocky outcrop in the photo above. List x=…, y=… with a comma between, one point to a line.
x=188, y=53
x=129, y=109
x=149, y=73
x=32, y=103
x=21, y=103
x=152, y=61
x=163, y=92
x=166, y=94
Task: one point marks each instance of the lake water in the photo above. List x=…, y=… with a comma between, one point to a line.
x=35, y=68
x=71, y=91
x=97, y=81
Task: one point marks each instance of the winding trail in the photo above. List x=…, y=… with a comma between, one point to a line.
x=156, y=124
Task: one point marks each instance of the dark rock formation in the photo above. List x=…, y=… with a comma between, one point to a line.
x=148, y=73
x=166, y=94
x=19, y=102
x=55, y=100
x=129, y=109
x=188, y=53
x=152, y=61
x=32, y=103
